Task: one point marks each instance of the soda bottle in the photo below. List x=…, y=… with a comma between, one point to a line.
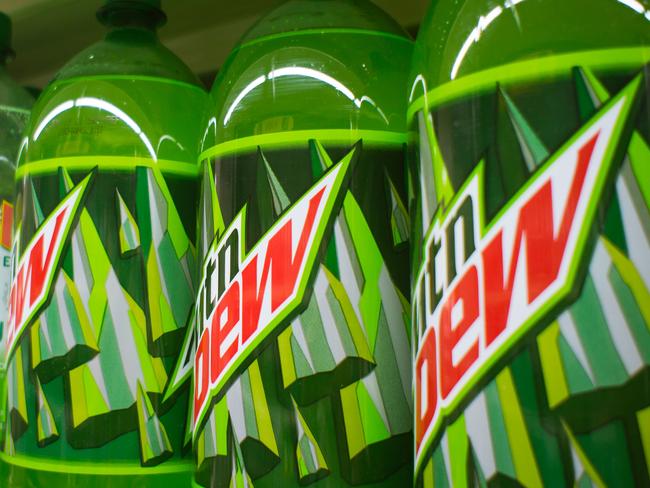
x=15, y=104
x=531, y=243
x=302, y=364
x=105, y=264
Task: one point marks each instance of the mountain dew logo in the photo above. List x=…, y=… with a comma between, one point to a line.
x=35, y=272
x=244, y=298
x=482, y=287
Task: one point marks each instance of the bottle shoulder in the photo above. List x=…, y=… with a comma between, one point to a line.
x=461, y=38
x=116, y=115
x=350, y=80
x=300, y=15
x=134, y=54
x=13, y=95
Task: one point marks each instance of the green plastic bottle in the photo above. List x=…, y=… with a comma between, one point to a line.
x=105, y=265
x=302, y=369
x=15, y=104
x=531, y=243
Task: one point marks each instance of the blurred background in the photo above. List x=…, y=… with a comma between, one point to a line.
x=47, y=33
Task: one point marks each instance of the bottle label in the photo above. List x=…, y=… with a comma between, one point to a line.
x=301, y=348
x=12, y=123
x=531, y=278
x=103, y=289
x=6, y=229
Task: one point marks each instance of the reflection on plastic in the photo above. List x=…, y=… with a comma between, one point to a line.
x=304, y=72
x=101, y=105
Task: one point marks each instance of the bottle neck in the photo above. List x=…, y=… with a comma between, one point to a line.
x=131, y=16
x=134, y=34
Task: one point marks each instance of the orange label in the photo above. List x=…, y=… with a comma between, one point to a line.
x=6, y=224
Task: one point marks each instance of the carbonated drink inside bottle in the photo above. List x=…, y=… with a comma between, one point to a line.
x=302, y=364
x=15, y=105
x=531, y=243
x=105, y=265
